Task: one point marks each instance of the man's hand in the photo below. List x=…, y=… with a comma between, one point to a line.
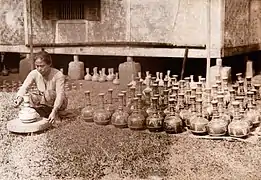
x=18, y=101
x=52, y=116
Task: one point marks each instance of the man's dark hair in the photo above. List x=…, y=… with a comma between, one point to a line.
x=44, y=56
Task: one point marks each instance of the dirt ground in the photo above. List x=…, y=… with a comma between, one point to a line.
x=74, y=149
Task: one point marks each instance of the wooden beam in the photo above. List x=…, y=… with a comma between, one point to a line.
x=31, y=34
x=184, y=63
x=239, y=50
x=25, y=13
x=128, y=20
x=117, y=51
x=222, y=29
x=208, y=44
x=118, y=44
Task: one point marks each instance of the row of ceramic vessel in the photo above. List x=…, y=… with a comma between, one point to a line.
x=216, y=111
x=97, y=76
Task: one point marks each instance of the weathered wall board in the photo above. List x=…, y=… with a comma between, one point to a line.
x=64, y=32
x=180, y=22
x=242, y=26
x=43, y=30
x=236, y=23
x=12, y=22
x=112, y=26
x=255, y=22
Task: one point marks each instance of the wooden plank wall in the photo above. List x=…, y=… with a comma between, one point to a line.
x=236, y=23
x=11, y=22
x=43, y=30
x=242, y=26
x=175, y=21
x=150, y=20
x=181, y=22
x=255, y=22
x=112, y=26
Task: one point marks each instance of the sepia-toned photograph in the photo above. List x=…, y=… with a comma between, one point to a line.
x=130, y=89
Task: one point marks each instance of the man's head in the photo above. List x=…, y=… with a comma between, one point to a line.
x=43, y=62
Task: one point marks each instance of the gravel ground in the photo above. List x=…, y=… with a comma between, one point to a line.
x=74, y=149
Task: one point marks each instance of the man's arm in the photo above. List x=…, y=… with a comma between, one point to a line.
x=59, y=93
x=27, y=82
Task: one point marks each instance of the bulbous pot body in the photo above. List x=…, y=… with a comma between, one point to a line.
x=101, y=117
x=88, y=77
x=136, y=121
x=110, y=77
x=154, y=122
x=116, y=81
x=120, y=119
x=238, y=128
x=172, y=124
x=95, y=76
x=198, y=125
x=87, y=114
x=217, y=127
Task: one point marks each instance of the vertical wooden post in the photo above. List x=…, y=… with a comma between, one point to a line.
x=208, y=44
x=184, y=63
x=31, y=34
x=25, y=12
x=128, y=20
x=128, y=23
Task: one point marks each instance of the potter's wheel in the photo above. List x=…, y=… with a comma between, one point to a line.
x=17, y=126
x=28, y=120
